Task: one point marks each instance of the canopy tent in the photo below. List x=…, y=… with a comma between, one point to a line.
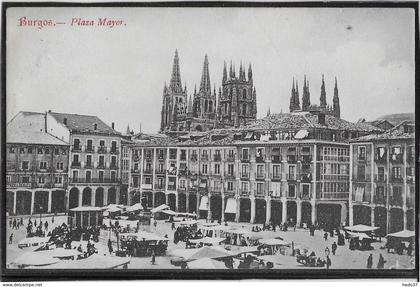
x=87, y=208
x=206, y=263
x=187, y=222
x=59, y=253
x=160, y=208
x=273, y=241
x=361, y=235
x=230, y=206
x=405, y=234
x=169, y=212
x=243, y=249
x=262, y=235
x=33, y=240
x=279, y=259
x=361, y=228
x=208, y=240
x=114, y=207
x=204, y=203
x=143, y=235
x=34, y=259
x=241, y=231
x=199, y=253
x=135, y=207
x=207, y=224
x=93, y=261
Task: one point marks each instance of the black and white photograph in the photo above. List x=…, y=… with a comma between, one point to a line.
x=259, y=138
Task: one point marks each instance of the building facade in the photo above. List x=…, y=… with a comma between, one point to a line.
x=36, y=167
x=383, y=179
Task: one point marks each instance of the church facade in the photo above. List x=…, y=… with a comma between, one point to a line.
x=234, y=105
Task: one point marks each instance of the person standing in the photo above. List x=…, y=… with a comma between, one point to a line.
x=110, y=246
x=46, y=225
x=325, y=236
x=333, y=248
x=14, y=223
x=328, y=262
x=10, y=222
x=369, y=263
x=381, y=262
x=11, y=239
x=153, y=257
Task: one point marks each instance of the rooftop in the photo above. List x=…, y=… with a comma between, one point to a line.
x=84, y=123
x=405, y=130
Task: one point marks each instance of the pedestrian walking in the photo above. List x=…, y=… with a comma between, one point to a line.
x=46, y=225
x=110, y=246
x=172, y=226
x=35, y=222
x=381, y=262
x=11, y=238
x=333, y=248
x=369, y=263
x=14, y=223
x=153, y=257
x=21, y=221
x=10, y=222
x=328, y=262
x=325, y=236
x=52, y=219
x=155, y=224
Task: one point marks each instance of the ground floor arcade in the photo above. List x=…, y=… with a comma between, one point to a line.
x=35, y=201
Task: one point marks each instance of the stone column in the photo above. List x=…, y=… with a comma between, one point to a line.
x=298, y=213
x=49, y=201
x=117, y=196
x=350, y=213
x=32, y=201
x=238, y=209
x=67, y=199
x=268, y=211
x=252, y=220
x=209, y=215
x=313, y=213
x=105, y=193
x=187, y=202
x=405, y=217
x=14, y=202
x=80, y=197
x=166, y=199
x=284, y=212
x=372, y=216
x=223, y=208
x=128, y=197
x=197, y=209
x=92, y=200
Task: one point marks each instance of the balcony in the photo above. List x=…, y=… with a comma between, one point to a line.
x=193, y=157
x=21, y=184
x=380, y=178
x=306, y=158
x=135, y=170
x=260, y=193
x=411, y=179
x=101, y=165
x=88, y=165
x=260, y=158
x=102, y=149
x=396, y=158
x=229, y=175
x=160, y=157
x=159, y=186
x=291, y=159
x=148, y=171
x=380, y=159
x=396, y=201
x=333, y=195
x=113, y=166
x=396, y=179
x=335, y=177
x=361, y=158
x=136, y=158
x=204, y=157
x=307, y=177
x=77, y=148
x=361, y=178
x=147, y=186
x=379, y=199
x=290, y=177
x=89, y=149
x=161, y=171
x=260, y=176
x=291, y=194
x=275, y=176
x=94, y=180
x=244, y=192
x=183, y=172
x=411, y=202
x=230, y=158
x=76, y=164
x=114, y=150
x=244, y=175
x=276, y=158
x=306, y=196
x=244, y=159
x=217, y=157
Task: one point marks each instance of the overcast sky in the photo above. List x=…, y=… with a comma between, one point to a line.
x=118, y=73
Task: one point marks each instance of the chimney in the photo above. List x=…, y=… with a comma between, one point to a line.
x=321, y=119
x=65, y=121
x=112, y=125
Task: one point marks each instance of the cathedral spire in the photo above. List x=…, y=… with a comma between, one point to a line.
x=175, y=83
x=268, y=112
x=297, y=101
x=205, y=77
x=224, y=73
x=190, y=108
x=250, y=73
x=292, y=105
x=336, y=101
x=128, y=130
x=306, y=98
x=230, y=70
x=323, y=98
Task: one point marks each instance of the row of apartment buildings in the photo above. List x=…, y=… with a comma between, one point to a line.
x=301, y=167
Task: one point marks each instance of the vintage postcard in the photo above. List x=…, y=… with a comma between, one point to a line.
x=247, y=138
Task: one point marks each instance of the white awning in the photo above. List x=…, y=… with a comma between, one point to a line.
x=230, y=206
x=204, y=203
x=249, y=135
x=301, y=134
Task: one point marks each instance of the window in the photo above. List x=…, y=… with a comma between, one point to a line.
x=88, y=176
x=244, y=170
x=362, y=153
x=11, y=150
x=182, y=183
x=361, y=172
x=43, y=165
x=101, y=175
x=204, y=169
x=75, y=175
x=58, y=179
x=276, y=171
x=230, y=169
x=148, y=180
x=231, y=153
x=89, y=160
x=56, y=151
x=160, y=182
x=30, y=150
x=102, y=143
x=47, y=151
x=260, y=170
x=40, y=151
x=260, y=188
x=260, y=153
x=245, y=154
x=41, y=180
x=396, y=150
x=25, y=165
x=160, y=167
x=101, y=161
x=291, y=171
x=217, y=168
x=25, y=179
x=244, y=186
x=305, y=191
x=113, y=176
x=75, y=158
x=60, y=165
x=113, y=161
x=230, y=186
x=113, y=146
x=292, y=191
x=380, y=152
x=396, y=172
x=63, y=152
x=76, y=144
x=22, y=150
x=89, y=145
